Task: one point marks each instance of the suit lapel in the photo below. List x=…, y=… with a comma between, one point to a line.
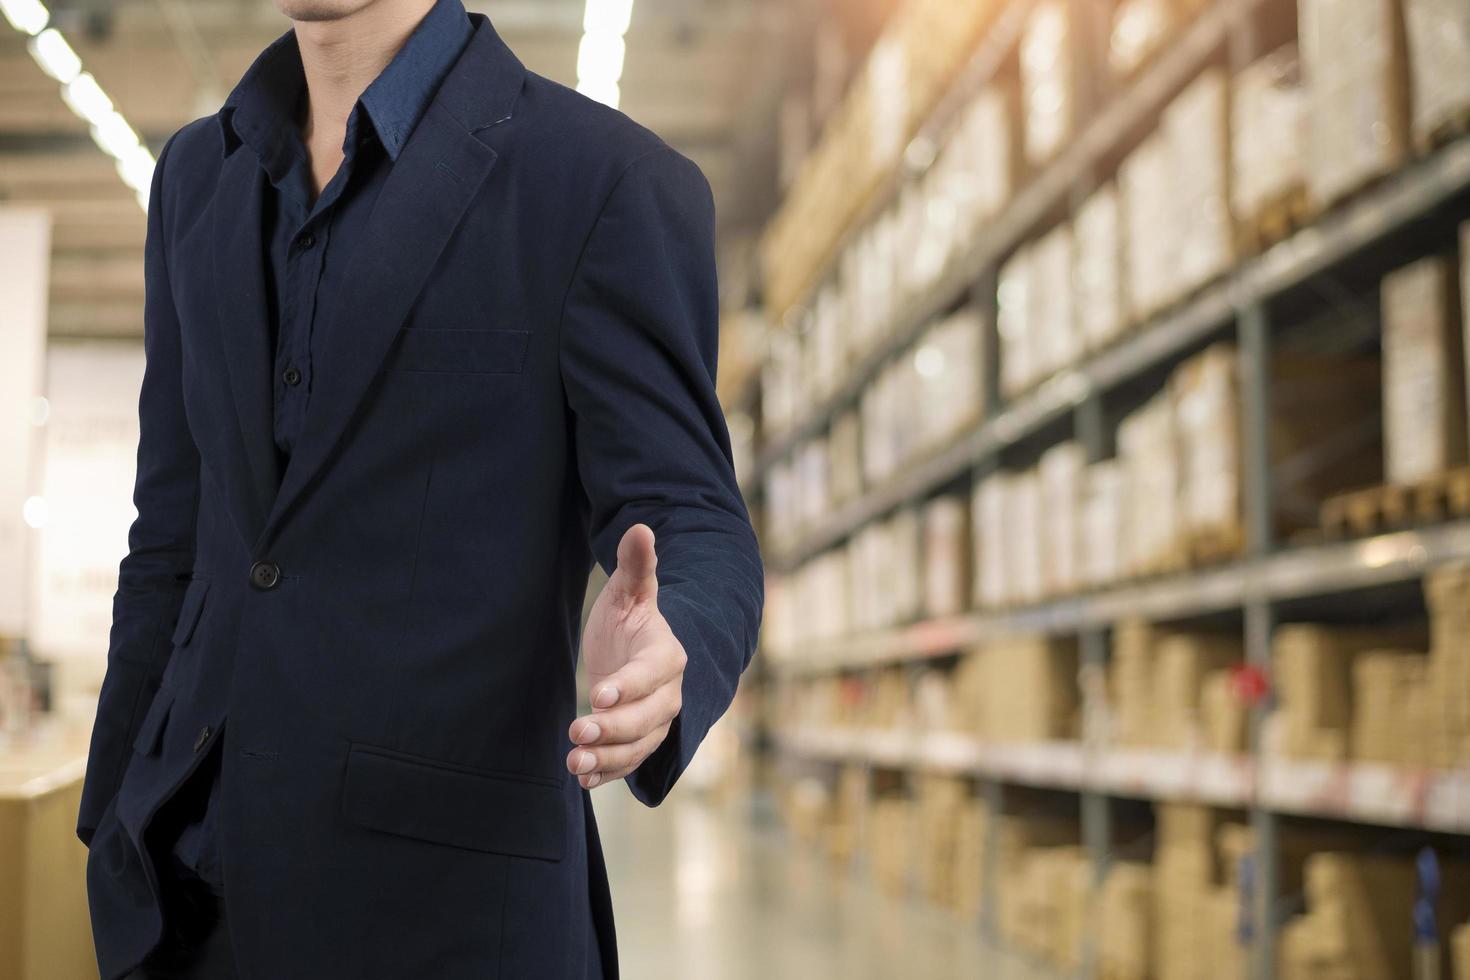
x=239, y=288
x=438, y=172
x=431, y=184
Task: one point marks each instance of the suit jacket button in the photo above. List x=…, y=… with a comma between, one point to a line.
x=265, y=575
x=203, y=737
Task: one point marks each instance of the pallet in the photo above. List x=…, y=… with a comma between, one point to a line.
x=1277, y=220
x=1216, y=546
x=1445, y=132
x=1394, y=506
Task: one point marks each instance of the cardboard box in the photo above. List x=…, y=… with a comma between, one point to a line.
x=1051, y=319
x=1030, y=691
x=1196, y=126
x=1125, y=922
x=1097, y=271
x=1313, y=668
x=1424, y=410
x=946, y=590
x=1268, y=130
x=1353, y=61
x=1184, y=661
x=1019, y=345
x=1391, y=708
x=1061, y=471
x=1447, y=592
x=1048, y=82
x=1439, y=59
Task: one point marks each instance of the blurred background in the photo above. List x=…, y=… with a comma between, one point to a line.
x=1097, y=376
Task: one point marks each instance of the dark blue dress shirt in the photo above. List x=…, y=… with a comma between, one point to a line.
x=307, y=243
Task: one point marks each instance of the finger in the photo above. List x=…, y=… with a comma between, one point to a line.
x=613, y=761
x=646, y=671
x=630, y=721
x=636, y=576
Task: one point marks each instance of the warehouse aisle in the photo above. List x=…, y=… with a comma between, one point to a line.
x=703, y=893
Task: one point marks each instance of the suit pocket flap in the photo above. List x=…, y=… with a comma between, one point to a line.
x=476, y=809
x=151, y=729
x=477, y=351
x=189, y=612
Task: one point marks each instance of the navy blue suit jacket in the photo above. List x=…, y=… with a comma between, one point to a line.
x=523, y=367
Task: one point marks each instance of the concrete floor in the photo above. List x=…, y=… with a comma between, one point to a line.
x=703, y=893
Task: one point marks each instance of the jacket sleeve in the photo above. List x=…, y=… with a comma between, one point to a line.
x=638, y=342
x=153, y=575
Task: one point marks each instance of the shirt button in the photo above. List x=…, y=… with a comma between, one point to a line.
x=305, y=240
x=203, y=737
x=265, y=575
x=291, y=376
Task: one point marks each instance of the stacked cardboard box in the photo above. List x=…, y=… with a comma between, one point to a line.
x=988, y=519
x=1054, y=888
x=1097, y=271
x=946, y=558
x=1460, y=952
x=845, y=467
x=1131, y=681
x=1139, y=28
x=1150, y=226
x=1029, y=912
x=1353, y=62
x=1018, y=343
x=1423, y=372
x=1206, y=408
x=1048, y=68
x=942, y=802
x=969, y=848
x=1125, y=913
x=1313, y=677
x=1268, y=133
x=1056, y=343
x=845, y=835
x=1029, y=689
x=1439, y=56
x=1185, y=661
x=1148, y=447
x=1104, y=508
x=1223, y=713
x=1186, y=879
x=1061, y=472
x=1390, y=709
x=951, y=388
x=1196, y=125
x=1359, y=922
x=979, y=164
x=1182, y=168
x=890, y=845
x=1447, y=592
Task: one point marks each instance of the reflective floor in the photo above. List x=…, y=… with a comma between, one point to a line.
x=702, y=893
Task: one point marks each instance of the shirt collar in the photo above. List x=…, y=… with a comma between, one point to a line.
x=261, y=110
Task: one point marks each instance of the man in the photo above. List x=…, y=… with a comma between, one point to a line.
x=426, y=334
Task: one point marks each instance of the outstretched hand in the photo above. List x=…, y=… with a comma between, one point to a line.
x=636, y=667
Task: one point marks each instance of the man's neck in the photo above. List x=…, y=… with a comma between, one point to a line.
x=341, y=57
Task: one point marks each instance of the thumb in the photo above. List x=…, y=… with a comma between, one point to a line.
x=637, y=564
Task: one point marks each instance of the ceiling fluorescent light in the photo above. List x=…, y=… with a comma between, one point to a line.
x=55, y=56
x=608, y=17
x=86, y=98
x=600, y=58
x=26, y=16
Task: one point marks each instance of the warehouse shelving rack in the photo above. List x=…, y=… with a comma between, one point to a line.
x=1271, y=572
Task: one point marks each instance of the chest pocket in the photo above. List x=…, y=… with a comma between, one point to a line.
x=461, y=351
